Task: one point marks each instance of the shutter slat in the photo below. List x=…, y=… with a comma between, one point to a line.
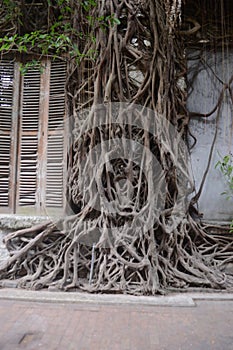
x=57, y=95
x=29, y=124
x=31, y=101
x=6, y=107
x=55, y=143
x=55, y=164
x=42, y=111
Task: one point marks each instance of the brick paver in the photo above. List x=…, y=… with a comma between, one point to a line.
x=83, y=326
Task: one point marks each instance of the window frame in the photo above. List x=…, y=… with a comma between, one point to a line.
x=44, y=135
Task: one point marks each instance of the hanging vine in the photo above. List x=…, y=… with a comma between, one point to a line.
x=132, y=228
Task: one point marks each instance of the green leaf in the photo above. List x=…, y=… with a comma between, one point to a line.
x=117, y=21
x=226, y=159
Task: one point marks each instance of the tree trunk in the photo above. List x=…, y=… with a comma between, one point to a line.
x=131, y=228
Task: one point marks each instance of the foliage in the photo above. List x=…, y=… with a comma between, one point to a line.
x=226, y=167
x=58, y=37
x=52, y=42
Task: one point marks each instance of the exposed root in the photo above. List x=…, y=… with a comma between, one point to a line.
x=131, y=230
x=153, y=263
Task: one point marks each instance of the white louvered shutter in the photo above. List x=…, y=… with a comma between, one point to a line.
x=56, y=142
x=33, y=145
x=9, y=80
x=56, y=148
x=28, y=144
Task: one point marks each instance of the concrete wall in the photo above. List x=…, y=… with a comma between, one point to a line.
x=213, y=69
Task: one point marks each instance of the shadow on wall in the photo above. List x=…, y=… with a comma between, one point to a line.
x=208, y=72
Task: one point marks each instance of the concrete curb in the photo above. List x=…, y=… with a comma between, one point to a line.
x=218, y=296
x=176, y=300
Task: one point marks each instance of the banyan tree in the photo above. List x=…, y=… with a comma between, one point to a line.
x=131, y=224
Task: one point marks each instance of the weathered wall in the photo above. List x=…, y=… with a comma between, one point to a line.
x=214, y=69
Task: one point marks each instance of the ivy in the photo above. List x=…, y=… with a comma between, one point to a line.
x=88, y=5
x=226, y=167
x=108, y=21
x=59, y=37
x=11, y=12
x=33, y=64
x=52, y=42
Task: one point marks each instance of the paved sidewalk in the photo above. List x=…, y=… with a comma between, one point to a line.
x=105, y=322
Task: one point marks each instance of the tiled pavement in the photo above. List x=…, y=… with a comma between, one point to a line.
x=33, y=325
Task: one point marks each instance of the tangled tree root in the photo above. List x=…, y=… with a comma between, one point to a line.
x=129, y=234
x=46, y=257
x=120, y=237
